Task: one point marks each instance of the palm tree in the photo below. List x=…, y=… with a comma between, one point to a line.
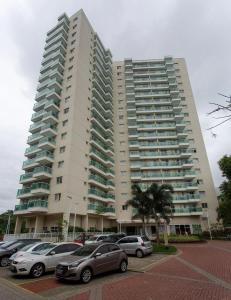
x=141, y=203
x=161, y=203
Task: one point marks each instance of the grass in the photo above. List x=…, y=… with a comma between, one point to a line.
x=164, y=249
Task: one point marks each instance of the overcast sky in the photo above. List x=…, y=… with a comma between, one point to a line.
x=199, y=31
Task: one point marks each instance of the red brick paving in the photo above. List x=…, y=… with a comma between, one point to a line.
x=83, y=296
x=41, y=285
x=176, y=268
x=212, y=260
x=155, y=287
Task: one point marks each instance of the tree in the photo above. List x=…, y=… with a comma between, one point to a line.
x=161, y=205
x=4, y=221
x=224, y=208
x=141, y=203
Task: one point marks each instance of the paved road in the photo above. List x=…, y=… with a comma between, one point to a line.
x=198, y=272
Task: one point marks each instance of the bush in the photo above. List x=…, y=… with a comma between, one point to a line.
x=173, y=238
x=220, y=234
x=164, y=249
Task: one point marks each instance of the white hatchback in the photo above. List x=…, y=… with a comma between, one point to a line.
x=38, y=262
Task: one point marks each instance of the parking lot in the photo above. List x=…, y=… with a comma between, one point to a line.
x=47, y=287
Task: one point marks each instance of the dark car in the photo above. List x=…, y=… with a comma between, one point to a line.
x=113, y=238
x=90, y=260
x=9, y=248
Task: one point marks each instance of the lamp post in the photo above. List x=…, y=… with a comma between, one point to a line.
x=76, y=203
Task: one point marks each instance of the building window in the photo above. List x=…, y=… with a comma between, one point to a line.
x=59, y=179
x=60, y=164
x=72, y=43
x=204, y=205
x=62, y=149
x=71, y=59
x=70, y=68
x=200, y=181
x=58, y=197
x=68, y=88
x=75, y=19
x=69, y=77
x=65, y=123
x=123, y=173
x=121, y=117
x=67, y=99
x=73, y=34
x=66, y=110
x=63, y=135
x=124, y=207
x=74, y=26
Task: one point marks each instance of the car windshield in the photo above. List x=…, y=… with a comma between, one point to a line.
x=43, y=251
x=14, y=246
x=93, y=238
x=7, y=244
x=25, y=248
x=85, y=250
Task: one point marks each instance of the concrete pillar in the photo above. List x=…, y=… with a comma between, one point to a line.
x=39, y=222
x=18, y=225
x=101, y=224
x=66, y=220
x=85, y=222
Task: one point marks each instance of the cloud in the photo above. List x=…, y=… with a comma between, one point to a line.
x=196, y=30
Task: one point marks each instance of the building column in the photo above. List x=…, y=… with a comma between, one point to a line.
x=66, y=220
x=85, y=222
x=18, y=225
x=101, y=224
x=39, y=221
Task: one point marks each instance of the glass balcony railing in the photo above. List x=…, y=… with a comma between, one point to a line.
x=26, y=176
x=40, y=185
x=28, y=162
x=100, y=193
x=44, y=153
x=42, y=169
x=103, y=209
x=23, y=191
x=186, y=197
x=186, y=210
x=31, y=149
x=32, y=203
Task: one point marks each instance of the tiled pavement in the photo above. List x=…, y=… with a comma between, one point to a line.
x=199, y=272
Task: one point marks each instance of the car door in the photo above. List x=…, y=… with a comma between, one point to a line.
x=123, y=244
x=114, y=256
x=59, y=253
x=101, y=263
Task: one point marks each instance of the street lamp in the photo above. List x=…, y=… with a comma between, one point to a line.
x=70, y=205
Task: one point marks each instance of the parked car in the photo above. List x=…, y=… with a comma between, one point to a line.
x=10, y=248
x=2, y=243
x=38, y=262
x=137, y=245
x=30, y=248
x=91, y=260
x=96, y=238
x=113, y=238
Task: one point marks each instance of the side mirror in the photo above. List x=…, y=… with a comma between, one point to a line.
x=98, y=254
x=52, y=253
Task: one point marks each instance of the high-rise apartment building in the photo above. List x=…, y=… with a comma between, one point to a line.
x=98, y=127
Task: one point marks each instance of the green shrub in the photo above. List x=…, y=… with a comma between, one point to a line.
x=164, y=249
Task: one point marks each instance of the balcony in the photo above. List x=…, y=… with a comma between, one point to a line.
x=48, y=130
x=100, y=195
x=50, y=117
x=32, y=150
x=37, y=116
x=34, y=138
x=40, y=188
x=191, y=211
x=23, y=193
x=36, y=127
x=42, y=172
x=30, y=163
x=186, y=198
x=47, y=143
x=101, y=210
x=44, y=157
x=40, y=105
x=101, y=182
x=52, y=105
x=36, y=205
x=25, y=178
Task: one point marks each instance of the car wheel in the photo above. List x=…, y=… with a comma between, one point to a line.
x=139, y=253
x=5, y=262
x=86, y=275
x=37, y=270
x=123, y=266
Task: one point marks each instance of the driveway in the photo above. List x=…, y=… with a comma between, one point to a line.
x=197, y=272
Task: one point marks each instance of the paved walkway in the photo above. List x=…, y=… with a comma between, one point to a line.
x=198, y=272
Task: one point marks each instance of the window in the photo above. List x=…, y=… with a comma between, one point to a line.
x=121, y=117
x=69, y=77
x=63, y=135
x=59, y=179
x=61, y=249
x=67, y=99
x=104, y=249
x=68, y=88
x=123, y=182
x=124, y=207
x=123, y=161
x=70, y=68
x=73, y=34
x=66, y=110
x=65, y=122
x=71, y=59
x=113, y=248
x=200, y=181
x=119, y=73
x=123, y=173
x=202, y=193
x=204, y=205
x=122, y=143
x=132, y=240
x=62, y=149
x=74, y=26
x=75, y=19
x=60, y=164
x=58, y=197
x=72, y=43
x=118, y=67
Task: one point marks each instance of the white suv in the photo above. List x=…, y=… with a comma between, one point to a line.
x=38, y=262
